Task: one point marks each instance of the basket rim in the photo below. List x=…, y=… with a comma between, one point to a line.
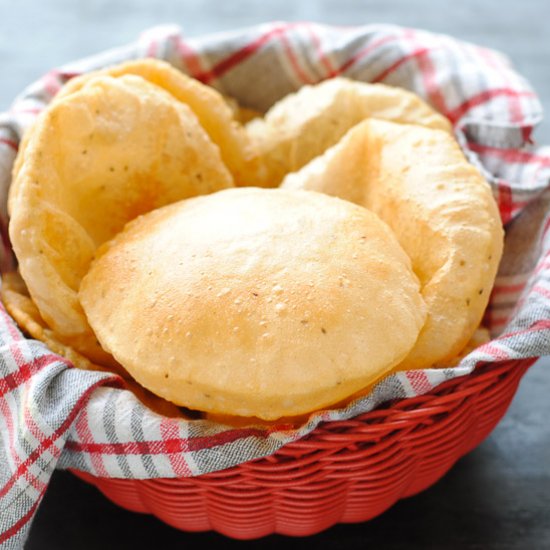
x=380, y=421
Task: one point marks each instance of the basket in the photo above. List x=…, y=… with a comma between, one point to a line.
x=343, y=472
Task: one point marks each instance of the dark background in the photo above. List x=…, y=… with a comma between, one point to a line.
x=498, y=497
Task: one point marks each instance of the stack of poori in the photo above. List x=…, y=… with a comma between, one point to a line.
x=150, y=244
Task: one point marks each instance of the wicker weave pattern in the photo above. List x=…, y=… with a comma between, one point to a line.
x=347, y=471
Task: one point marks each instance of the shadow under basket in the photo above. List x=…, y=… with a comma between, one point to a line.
x=343, y=472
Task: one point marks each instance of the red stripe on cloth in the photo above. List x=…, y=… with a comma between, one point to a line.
x=526, y=132
x=365, y=51
x=170, y=432
x=514, y=107
x=26, y=369
x=483, y=97
x=499, y=321
x=6, y=412
x=394, y=66
x=509, y=155
x=545, y=264
x=429, y=75
x=10, y=143
x=291, y=55
x=29, y=110
x=49, y=441
x=495, y=352
x=245, y=52
x=152, y=48
x=490, y=58
x=54, y=80
x=33, y=480
x=173, y=445
x=542, y=324
x=505, y=204
x=503, y=289
x=542, y=291
x=516, y=112
x=321, y=55
x=191, y=59
x=21, y=522
x=51, y=83
x=419, y=381
x=129, y=448
x=514, y=102
x=17, y=378
x=83, y=431
x=67, y=75
x=519, y=205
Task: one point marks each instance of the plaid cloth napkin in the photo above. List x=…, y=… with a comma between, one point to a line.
x=52, y=415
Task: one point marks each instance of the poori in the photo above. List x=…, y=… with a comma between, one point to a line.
x=441, y=211
x=258, y=302
x=218, y=116
x=112, y=150
x=303, y=125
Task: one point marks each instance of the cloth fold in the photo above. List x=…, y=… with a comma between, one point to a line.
x=52, y=415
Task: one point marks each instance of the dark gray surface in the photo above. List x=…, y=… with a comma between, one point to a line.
x=38, y=35
x=496, y=498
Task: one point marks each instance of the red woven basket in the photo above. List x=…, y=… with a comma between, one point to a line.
x=343, y=472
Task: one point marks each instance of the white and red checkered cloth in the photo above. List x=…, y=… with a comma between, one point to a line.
x=52, y=415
